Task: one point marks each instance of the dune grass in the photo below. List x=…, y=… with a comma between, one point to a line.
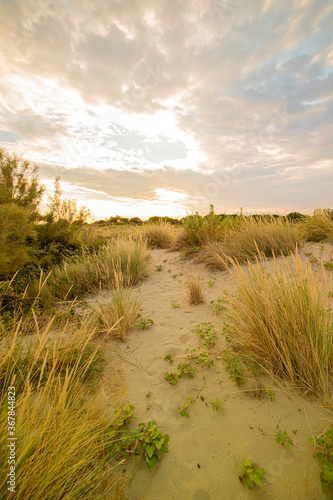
x=243, y=243
x=317, y=227
x=195, y=294
x=90, y=272
x=281, y=320
x=118, y=315
x=61, y=430
x=159, y=235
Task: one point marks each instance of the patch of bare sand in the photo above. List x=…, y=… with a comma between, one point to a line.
x=207, y=449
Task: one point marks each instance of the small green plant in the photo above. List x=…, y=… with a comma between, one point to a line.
x=143, y=323
x=207, y=333
x=270, y=394
x=308, y=254
x=233, y=366
x=210, y=283
x=149, y=441
x=201, y=357
x=175, y=306
x=184, y=409
x=251, y=474
x=185, y=369
x=217, y=405
x=165, y=260
x=325, y=458
x=159, y=268
x=284, y=439
x=328, y=265
x=169, y=271
x=181, y=274
x=169, y=357
x=321, y=249
x=313, y=260
x=174, y=276
x=218, y=304
x=171, y=377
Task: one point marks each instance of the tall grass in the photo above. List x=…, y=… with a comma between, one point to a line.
x=61, y=431
x=281, y=320
x=161, y=235
x=89, y=272
x=118, y=316
x=243, y=243
x=317, y=227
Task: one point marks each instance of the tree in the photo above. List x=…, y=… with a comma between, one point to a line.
x=19, y=183
x=66, y=208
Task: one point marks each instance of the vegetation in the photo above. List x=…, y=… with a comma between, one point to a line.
x=195, y=292
x=251, y=474
x=325, y=458
x=283, y=322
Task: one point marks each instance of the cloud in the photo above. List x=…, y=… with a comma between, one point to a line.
x=126, y=98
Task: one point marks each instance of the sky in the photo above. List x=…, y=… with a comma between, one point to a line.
x=164, y=107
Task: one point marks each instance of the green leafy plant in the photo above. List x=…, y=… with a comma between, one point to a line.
x=165, y=260
x=251, y=474
x=308, y=254
x=150, y=441
x=328, y=265
x=184, y=409
x=218, y=304
x=325, y=458
x=210, y=283
x=313, y=260
x=284, y=439
x=201, y=357
x=217, y=404
x=169, y=271
x=185, y=369
x=145, y=441
x=159, y=268
x=270, y=394
x=207, y=333
x=321, y=249
x=171, y=377
x=169, y=357
x=174, y=276
x=144, y=323
x=175, y=306
x=233, y=366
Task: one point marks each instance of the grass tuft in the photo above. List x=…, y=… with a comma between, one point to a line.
x=195, y=292
x=281, y=320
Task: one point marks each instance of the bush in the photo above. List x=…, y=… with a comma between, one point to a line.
x=281, y=320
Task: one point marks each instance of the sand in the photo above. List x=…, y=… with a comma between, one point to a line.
x=207, y=449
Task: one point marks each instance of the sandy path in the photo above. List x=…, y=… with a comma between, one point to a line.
x=206, y=450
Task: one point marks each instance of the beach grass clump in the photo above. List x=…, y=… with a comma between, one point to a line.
x=195, y=293
x=268, y=236
x=317, y=227
x=281, y=320
x=119, y=314
x=160, y=235
x=90, y=272
x=60, y=427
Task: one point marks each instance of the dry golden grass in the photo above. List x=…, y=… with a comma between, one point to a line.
x=281, y=320
x=317, y=227
x=62, y=433
x=270, y=237
x=195, y=294
x=90, y=272
x=118, y=316
x=160, y=235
